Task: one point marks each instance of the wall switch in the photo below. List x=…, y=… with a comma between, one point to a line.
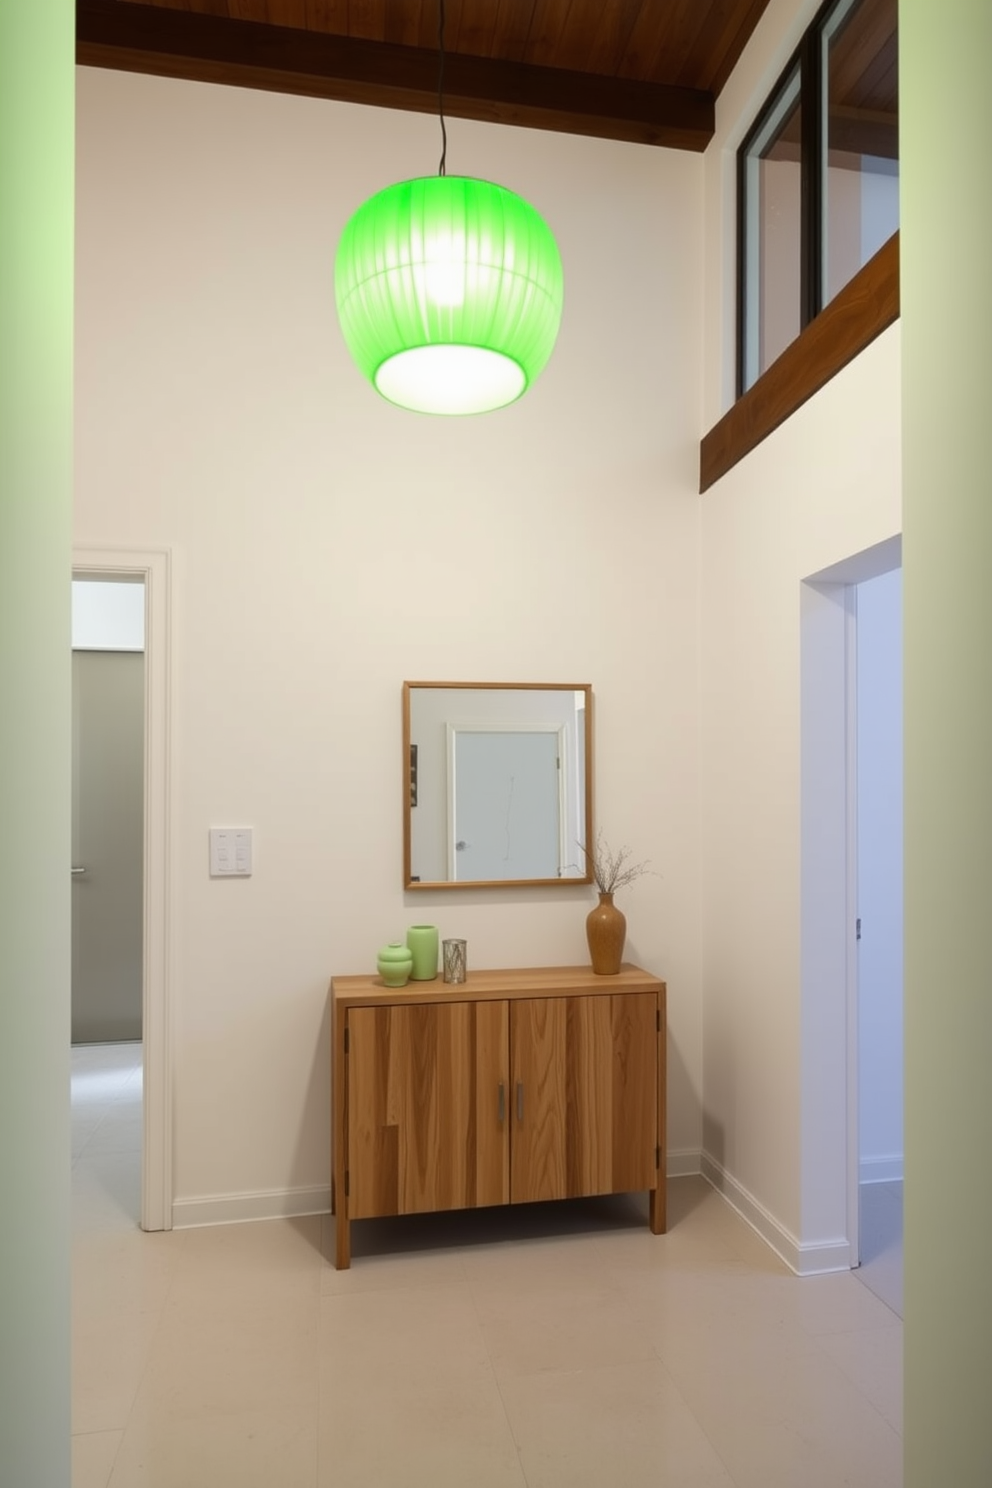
x=230, y=852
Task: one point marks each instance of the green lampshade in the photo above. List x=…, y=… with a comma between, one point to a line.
x=449, y=293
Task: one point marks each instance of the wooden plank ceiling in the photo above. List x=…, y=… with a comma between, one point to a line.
x=646, y=71
x=864, y=82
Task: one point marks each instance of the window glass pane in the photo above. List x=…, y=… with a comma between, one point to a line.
x=861, y=182
x=772, y=251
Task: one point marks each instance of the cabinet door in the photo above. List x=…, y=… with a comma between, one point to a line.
x=584, y=1074
x=426, y=1125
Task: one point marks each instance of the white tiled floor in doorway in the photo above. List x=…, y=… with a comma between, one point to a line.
x=546, y=1347
x=881, y=1268
x=106, y=1135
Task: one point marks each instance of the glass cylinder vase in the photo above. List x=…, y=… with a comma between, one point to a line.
x=455, y=961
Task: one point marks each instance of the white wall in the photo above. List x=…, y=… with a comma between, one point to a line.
x=313, y=526
x=803, y=500
x=824, y=486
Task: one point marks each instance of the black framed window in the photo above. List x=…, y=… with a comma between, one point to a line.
x=818, y=177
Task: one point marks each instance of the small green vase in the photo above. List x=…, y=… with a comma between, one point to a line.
x=423, y=943
x=394, y=963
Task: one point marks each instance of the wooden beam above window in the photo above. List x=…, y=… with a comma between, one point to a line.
x=865, y=307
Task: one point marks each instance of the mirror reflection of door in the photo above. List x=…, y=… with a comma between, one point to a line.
x=107, y=838
x=505, y=810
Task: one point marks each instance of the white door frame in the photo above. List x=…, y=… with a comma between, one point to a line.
x=154, y=567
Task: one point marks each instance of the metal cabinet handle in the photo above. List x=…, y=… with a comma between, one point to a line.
x=502, y=1103
x=520, y=1100
x=75, y=871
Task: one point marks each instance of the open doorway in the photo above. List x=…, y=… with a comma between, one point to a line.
x=108, y=805
x=150, y=574
x=108, y=794
x=880, y=934
x=843, y=1086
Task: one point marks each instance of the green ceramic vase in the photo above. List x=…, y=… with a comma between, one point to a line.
x=423, y=943
x=394, y=963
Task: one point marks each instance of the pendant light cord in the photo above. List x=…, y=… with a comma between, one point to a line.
x=442, y=166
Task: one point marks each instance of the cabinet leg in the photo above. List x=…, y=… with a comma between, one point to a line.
x=656, y=1207
x=342, y=1241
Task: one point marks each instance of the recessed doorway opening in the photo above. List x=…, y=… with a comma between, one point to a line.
x=149, y=572
x=851, y=861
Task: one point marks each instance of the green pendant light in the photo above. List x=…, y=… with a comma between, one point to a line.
x=449, y=294
x=449, y=291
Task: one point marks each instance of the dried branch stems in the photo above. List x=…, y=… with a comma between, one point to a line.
x=612, y=870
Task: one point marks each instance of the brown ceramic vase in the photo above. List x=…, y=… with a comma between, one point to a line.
x=606, y=931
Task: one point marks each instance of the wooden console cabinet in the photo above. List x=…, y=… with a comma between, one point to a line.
x=515, y=1085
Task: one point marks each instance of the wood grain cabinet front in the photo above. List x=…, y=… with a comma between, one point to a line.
x=423, y=1110
x=516, y=1086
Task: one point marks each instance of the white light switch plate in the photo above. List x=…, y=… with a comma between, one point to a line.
x=230, y=852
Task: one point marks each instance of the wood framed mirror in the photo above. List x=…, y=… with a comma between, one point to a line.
x=497, y=783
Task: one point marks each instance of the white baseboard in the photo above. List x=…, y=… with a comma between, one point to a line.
x=804, y=1258
x=881, y=1169
x=282, y=1203
x=290, y=1203
x=683, y=1164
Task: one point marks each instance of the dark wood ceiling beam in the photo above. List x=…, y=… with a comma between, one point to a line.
x=282, y=59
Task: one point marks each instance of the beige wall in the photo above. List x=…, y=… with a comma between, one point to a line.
x=327, y=546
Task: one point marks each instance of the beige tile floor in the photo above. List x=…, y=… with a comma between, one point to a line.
x=550, y=1347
